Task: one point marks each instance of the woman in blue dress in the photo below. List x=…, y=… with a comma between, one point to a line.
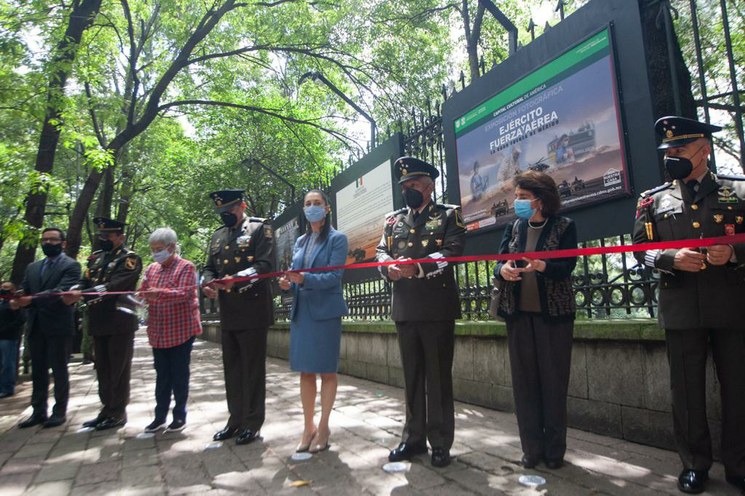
x=318, y=306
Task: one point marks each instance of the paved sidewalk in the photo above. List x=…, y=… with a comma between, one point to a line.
x=365, y=425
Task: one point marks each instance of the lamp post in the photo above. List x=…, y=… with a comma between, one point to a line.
x=317, y=76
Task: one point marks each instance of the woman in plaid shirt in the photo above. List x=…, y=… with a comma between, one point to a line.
x=170, y=288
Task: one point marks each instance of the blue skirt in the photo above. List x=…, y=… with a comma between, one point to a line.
x=314, y=344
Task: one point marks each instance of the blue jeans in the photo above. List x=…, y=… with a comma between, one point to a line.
x=8, y=365
x=172, y=377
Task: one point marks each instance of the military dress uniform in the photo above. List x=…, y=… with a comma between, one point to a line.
x=112, y=324
x=424, y=309
x=246, y=312
x=700, y=308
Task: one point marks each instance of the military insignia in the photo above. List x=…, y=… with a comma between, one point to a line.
x=726, y=195
x=243, y=241
x=729, y=229
x=739, y=219
x=130, y=263
x=268, y=232
x=401, y=245
x=390, y=221
x=225, y=261
x=400, y=223
x=438, y=242
x=433, y=224
x=718, y=218
x=665, y=204
x=237, y=259
x=669, y=133
x=250, y=259
x=425, y=242
x=404, y=171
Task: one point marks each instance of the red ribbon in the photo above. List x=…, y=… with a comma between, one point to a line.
x=573, y=252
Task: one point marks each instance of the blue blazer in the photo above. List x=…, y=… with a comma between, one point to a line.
x=322, y=290
x=48, y=314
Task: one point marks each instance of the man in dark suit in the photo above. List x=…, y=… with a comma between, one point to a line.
x=424, y=306
x=243, y=247
x=50, y=326
x=112, y=321
x=701, y=295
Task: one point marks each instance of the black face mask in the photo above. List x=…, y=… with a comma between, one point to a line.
x=413, y=198
x=678, y=167
x=228, y=218
x=106, y=244
x=4, y=292
x=51, y=250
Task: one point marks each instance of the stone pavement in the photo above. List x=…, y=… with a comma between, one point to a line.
x=365, y=425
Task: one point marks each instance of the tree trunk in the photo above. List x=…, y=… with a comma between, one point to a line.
x=81, y=18
x=105, y=197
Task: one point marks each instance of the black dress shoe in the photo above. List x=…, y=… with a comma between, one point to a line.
x=530, y=461
x=554, y=463
x=692, y=481
x=440, y=457
x=34, y=419
x=736, y=480
x=226, y=433
x=246, y=436
x=93, y=423
x=110, y=423
x=55, y=421
x=405, y=451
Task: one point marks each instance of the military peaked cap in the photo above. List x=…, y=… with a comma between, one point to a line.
x=104, y=224
x=677, y=131
x=406, y=168
x=227, y=198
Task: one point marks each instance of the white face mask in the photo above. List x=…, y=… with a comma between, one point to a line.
x=161, y=256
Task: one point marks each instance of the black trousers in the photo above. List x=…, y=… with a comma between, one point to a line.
x=172, y=377
x=49, y=352
x=540, y=359
x=244, y=365
x=427, y=359
x=113, y=369
x=687, y=354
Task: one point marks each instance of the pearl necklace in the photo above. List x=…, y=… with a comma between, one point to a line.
x=537, y=227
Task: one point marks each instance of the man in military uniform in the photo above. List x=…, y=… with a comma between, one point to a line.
x=424, y=306
x=111, y=318
x=701, y=295
x=243, y=247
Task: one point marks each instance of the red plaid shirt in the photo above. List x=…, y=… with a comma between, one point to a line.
x=174, y=317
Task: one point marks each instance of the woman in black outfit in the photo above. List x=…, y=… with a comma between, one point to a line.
x=538, y=306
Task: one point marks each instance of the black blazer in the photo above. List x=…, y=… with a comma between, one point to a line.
x=47, y=313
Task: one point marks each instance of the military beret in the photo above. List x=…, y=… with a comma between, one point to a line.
x=226, y=198
x=677, y=131
x=104, y=224
x=406, y=168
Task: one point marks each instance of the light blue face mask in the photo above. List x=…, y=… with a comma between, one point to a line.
x=523, y=209
x=161, y=256
x=315, y=213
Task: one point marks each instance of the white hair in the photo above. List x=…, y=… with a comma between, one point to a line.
x=164, y=235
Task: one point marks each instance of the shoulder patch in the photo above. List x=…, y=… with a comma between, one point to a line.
x=268, y=232
x=130, y=263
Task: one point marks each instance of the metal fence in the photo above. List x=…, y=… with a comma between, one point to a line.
x=611, y=286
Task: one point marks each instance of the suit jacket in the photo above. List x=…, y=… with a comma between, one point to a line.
x=554, y=284
x=232, y=249
x=47, y=313
x=323, y=290
x=714, y=296
x=117, y=270
x=437, y=232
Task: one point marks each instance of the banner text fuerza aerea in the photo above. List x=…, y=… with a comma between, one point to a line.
x=523, y=126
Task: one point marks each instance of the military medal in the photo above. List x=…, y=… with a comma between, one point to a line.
x=718, y=218
x=739, y=219
x=729, y=229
